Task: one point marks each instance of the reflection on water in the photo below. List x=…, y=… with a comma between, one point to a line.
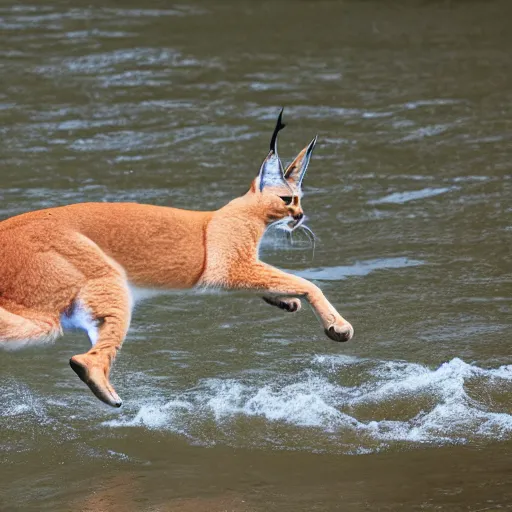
x=362, y=268
x=229, y=404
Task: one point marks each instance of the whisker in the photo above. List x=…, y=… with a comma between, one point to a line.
x=310, y=240
x=283, y=225
x=280, y=224
x=309, y=232
x=308, y=236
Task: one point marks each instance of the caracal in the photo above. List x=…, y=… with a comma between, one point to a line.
x=75, y=266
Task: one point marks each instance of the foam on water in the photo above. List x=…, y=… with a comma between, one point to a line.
x=314, y=401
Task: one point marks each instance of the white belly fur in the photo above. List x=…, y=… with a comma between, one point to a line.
x=81, y=318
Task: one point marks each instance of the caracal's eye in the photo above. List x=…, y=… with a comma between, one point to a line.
x=287, y=200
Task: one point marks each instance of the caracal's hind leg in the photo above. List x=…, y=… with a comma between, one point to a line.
x=107, y=299
x=22, y=327
x=290, y=304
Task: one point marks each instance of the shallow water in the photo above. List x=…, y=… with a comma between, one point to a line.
x=230, y=404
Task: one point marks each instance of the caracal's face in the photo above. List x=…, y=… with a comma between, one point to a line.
x=283, y=205
x=280, y=190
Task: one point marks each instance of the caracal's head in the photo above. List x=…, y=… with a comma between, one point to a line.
x=278, y=191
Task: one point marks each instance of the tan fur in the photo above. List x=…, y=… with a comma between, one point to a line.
x=86, y=255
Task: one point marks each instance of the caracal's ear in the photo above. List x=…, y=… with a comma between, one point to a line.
x=272, y=171
x=297, y=169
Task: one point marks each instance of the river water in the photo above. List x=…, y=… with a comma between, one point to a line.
x=230, y=404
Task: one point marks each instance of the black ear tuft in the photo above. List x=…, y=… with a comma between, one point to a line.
x=272, y=171
x=311, y=146
x=279, y=126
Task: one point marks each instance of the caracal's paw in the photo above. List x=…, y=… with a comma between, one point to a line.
x=341, y=331
x=291, y=305
x=95, y=374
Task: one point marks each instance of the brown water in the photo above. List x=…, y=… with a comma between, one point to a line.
x=230, y=404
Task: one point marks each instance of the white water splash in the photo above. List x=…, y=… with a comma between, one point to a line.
x=310, y=400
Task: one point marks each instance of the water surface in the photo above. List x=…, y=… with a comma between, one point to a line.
x=230, y=404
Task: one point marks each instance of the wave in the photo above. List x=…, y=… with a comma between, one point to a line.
x=394, y=402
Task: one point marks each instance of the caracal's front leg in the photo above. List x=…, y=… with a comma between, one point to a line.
x=278, y=283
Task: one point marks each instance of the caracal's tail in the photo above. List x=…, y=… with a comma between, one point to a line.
x=19, y=330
